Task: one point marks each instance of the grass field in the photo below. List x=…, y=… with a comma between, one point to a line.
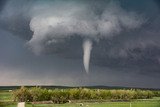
x=109, y=104
x=116, y=104
x=6, y=101
x=104, y=104
x=5, y=95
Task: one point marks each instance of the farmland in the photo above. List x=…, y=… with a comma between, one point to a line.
x=104, y=104
x=7, y=97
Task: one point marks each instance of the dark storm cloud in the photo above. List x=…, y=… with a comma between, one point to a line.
x=137, y=50
x=2, y=4
x=15, y=19
x=131, y=49
x=158, y=2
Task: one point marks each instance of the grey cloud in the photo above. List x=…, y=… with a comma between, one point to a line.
x=52, y=27
x=15, y=19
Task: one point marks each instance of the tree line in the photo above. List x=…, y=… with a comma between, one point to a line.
x=64, y=95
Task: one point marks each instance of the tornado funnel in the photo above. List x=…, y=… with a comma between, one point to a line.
x=87, y=47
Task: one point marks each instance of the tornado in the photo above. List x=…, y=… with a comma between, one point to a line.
x=87, y=48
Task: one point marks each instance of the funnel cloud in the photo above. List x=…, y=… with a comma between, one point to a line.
x=87, y=47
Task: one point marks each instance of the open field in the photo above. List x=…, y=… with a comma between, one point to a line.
x=109, y=104
x=6, y=100
x=5, y=95
x=106, y=104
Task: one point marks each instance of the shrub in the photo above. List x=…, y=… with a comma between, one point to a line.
x=60, y=96
x=64, y=95
x=22, y=95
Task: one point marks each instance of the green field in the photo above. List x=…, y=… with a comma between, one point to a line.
x=6, y=101
x=5, y=95
x=107, y=104
x=116, y=104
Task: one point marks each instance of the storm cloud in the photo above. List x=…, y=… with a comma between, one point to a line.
x=123, y=42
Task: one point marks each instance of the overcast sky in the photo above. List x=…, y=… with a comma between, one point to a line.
x=85, y=42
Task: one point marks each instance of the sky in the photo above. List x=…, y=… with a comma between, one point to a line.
x=80, y=42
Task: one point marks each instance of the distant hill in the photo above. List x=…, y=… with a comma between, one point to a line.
x=67, y=87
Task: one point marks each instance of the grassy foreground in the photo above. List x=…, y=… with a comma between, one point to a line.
x=6, y=101
x=5, y=95
x=106, y=104
x=116, y=104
